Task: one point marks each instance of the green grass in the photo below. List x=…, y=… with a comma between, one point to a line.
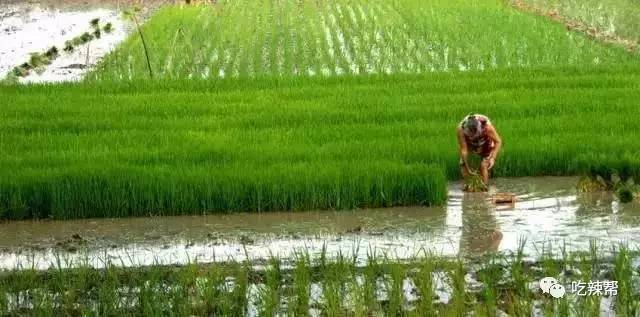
x=176, y=147
x=376, y=287
x=619, y=17
x=256, y=38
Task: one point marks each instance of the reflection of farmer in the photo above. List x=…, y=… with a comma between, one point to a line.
x=480, y=228
x=477, y=134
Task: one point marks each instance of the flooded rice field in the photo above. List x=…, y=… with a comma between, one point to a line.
x=28, y=27
x=547, y=210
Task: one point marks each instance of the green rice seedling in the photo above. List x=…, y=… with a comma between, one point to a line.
x=107, y=294
x=238, y=296
x=183, y=291
x=52, y=53
x=394, y=287
x=97, y=33
x=589, y=305
x=132, y=14
x=270, y=295
x=22, y=70
x=4, y=299
x=69, y=46
x=371, y=273
x=43, y=303
x=301, y=290
x=356, y=292
x=61, y=284
x=78, y=40
x=426, y=287
x=334, y=287
x=490, y=275
x=520, y=298
x=152, y=296
x=626, y=303
x=550, y=268
x=38, y=61
x=212, y=292
x=459, y=296
x=95, y=23
x=85, y=38
x=107, y=28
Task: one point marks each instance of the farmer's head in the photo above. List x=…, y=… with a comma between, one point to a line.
x=471, y=126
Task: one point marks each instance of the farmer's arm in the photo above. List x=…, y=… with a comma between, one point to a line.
x=464, y=151
x=497, y=144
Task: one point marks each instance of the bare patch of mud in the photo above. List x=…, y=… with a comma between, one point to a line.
x=547, y=210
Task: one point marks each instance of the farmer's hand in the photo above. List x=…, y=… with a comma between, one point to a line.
x=490, y=162
x=469, y=170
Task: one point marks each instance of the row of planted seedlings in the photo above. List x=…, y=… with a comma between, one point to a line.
x=38, y=62
x=606, y=18
x=347, y=37
x=332, y=286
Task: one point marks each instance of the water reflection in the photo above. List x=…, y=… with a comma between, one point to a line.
x=480, y=228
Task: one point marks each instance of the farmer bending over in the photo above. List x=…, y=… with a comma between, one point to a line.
x=477, y=134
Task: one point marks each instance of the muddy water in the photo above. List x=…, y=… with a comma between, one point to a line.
x=34, y=26
x=548, y=210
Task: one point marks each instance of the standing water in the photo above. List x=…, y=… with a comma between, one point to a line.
x=36, y=26
x=547, y=210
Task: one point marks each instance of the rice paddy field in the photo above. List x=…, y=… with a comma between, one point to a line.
x=619, y=17
x=248, y=39
x=427, y=285
x=282, y=105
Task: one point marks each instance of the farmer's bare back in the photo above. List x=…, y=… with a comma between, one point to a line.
x=477, y=135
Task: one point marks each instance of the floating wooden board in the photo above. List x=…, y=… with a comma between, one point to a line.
x=504, y=198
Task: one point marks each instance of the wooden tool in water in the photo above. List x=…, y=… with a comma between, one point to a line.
x=504, y=198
